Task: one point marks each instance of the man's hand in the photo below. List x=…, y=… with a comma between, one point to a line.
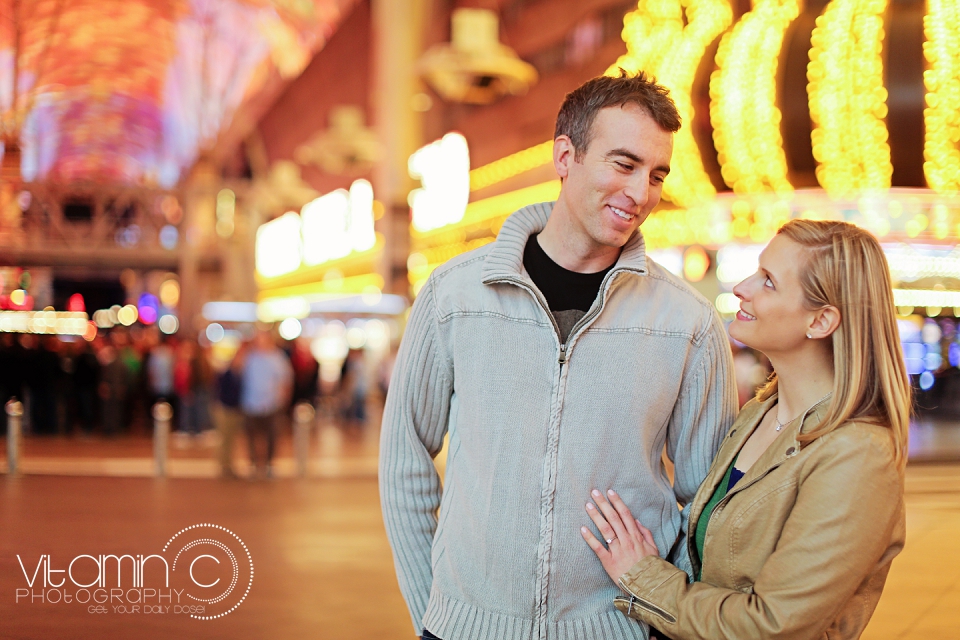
x=628, y=541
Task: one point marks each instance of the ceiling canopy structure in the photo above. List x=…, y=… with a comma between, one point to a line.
x=132, y=91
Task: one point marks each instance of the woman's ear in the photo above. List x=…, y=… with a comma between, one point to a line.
x=825, y=322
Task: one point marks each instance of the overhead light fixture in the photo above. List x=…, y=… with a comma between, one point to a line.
x=475, y=67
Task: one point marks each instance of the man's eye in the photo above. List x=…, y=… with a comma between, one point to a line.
x=624, y=166
x=658, y=179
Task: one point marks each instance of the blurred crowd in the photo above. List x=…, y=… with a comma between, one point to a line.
x=109, y=386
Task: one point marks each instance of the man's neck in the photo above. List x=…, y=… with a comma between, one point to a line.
x=567, y=249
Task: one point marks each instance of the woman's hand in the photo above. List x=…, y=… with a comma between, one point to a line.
x=628, y=541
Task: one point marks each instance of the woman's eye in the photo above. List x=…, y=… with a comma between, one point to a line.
x=767, y=282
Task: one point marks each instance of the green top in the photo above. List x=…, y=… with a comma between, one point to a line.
x=722, y=489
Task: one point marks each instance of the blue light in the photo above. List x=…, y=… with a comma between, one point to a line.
x=914, y=366
x=169, y=237
x=932, y=361
x=953, y=354
x=914, y=350
x=926, y=380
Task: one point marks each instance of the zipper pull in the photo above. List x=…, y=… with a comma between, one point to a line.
x=563, y=354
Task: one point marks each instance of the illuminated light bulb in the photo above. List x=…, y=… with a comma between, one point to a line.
x=170, y=293
x=169, y=324
x=727, y=303
x=667, y=39
x=127, y=315
x=371, y=296
x=848, y=99
x=356, y=338
x=214, y=332
x=743, y=93
x=941, y=123
x=695, y=263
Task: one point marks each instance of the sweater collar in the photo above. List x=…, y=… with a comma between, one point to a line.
x=505, y=259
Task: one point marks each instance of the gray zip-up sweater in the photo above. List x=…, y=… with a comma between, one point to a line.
x=534, y=426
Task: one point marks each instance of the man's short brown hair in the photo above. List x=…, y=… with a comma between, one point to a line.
x=580, y=106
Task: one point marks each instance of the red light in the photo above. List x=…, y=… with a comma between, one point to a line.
x=76, y=303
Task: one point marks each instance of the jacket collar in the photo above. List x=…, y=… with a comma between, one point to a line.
x=505, y=259
x=784, y=447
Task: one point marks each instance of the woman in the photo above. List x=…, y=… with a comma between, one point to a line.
x=794, y=528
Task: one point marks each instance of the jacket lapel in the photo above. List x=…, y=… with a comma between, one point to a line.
x=783, y=448
x=746, y=423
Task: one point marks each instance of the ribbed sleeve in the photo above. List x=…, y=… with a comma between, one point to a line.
x=704, y=412
x=414, y=423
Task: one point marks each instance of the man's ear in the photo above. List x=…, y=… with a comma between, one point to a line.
x=563, y=155
x=825, y=322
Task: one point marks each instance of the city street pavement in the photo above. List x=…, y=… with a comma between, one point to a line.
x=323, y=567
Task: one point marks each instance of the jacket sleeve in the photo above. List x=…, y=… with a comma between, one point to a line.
x=414, y=423
x=822, y=557
x=705, y=409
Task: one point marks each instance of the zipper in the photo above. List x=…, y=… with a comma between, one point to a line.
x=562, y=359
x=586, y=319
x=634, y=601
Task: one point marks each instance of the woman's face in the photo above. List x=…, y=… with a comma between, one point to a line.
x=772, y=317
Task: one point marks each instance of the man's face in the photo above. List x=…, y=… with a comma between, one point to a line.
x=617, y=183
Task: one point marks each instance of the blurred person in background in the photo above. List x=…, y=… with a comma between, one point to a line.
x=43, y=373
x=9, y=376
x=227, y=411
x=187, y=383
x=306, y=372
x=266, y=389
x=112, y=389
x=86, y=382
x=159, y=366
x=353, y=389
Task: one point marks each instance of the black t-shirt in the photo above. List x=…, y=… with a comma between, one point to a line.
x=569, y=294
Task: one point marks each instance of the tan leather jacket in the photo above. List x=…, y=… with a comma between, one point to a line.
x=800, y=548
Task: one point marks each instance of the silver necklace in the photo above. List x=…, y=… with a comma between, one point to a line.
x=781, y=425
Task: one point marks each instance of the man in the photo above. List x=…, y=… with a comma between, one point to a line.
x=559, y=359
x=264, y=392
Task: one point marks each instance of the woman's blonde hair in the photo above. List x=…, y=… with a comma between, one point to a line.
x=845, y=268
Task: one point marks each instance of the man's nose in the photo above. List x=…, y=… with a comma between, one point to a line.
x=638, y=190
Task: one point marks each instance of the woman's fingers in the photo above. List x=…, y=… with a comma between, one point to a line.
x=610, y=514
x=647, y=536
x=623, y=511
x=592, y=541
x=608, y=532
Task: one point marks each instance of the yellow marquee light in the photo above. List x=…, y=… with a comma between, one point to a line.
x=668, y=38
x=278, y=246
x=512, y=165
x=941, y=118
x=443, y=168
x=743, y=94
x=73, y=323
x=848, y=99
x=925, y=298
